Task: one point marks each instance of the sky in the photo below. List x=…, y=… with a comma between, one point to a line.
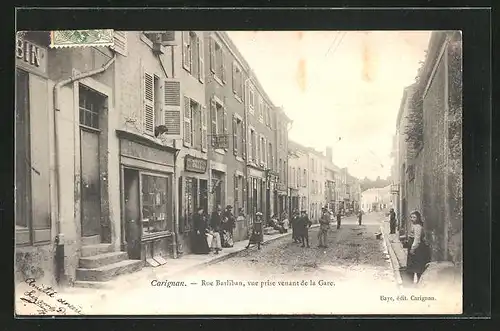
x=341, y=88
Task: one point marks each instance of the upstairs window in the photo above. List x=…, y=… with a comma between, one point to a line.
x=217, y=61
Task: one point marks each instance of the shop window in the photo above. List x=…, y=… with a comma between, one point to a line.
x=156, y=207
x=23, y=159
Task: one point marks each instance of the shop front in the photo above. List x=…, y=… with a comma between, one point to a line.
x=34, y=230
x=147, y=181
x=281, y=191
x=193, y=194
x=256, y=194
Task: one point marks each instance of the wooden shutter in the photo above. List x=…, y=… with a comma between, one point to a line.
x=186, y=51
x=212, y=55
x=149, y=97
x=188, y=134
x=234, y=81
x=250, y=146
x=236, y=193
x=201, y=58
x=172, y=107
x=243, y=141
x=235, y=135
x=247, y=98
x=213, y=118
x=204, y=133
x=226, y=126
x=120, y=42
x=223, y=66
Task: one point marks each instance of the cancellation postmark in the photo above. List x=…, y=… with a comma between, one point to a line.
x=81, y=38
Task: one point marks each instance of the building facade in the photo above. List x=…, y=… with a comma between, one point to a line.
x=430, y=161
x=316, y=184
x=282, y=193
x=299, y=177
x=376, y=200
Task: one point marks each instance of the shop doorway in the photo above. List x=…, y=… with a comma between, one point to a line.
x=132, y=217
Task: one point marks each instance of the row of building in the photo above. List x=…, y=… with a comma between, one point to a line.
x=118, y=146
x=427, y=149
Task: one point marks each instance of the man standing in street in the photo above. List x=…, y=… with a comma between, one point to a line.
x=392, y=220
x=339, y=218
x=303, y=228
x=323, y=228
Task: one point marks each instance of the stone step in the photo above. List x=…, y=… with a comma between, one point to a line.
x=92, y=240
x=89, y=284
x=100, y=260
x=105, y=273
x=91, y=250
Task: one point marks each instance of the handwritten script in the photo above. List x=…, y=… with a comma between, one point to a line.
x=47, y=301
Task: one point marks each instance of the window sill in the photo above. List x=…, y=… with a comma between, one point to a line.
x=239, y=158
x=220, y=151
x=237, y=97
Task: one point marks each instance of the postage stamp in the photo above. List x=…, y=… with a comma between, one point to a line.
x=81, y=38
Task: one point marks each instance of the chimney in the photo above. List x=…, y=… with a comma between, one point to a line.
x=329, y=153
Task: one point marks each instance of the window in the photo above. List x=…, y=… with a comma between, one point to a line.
x=217, y=61
x=218, y=116
x=305, y=178
x=237, y=81
x=238, y=141
x=156, y=205
x=195, y=124
x=270, y=156
x=253, y=148
x=238, y=193
x=261, y=110
x=252, y=100
x=299, y=181
x=193, y=56
x=89, y=103
x=263, y=153
x=23, y=159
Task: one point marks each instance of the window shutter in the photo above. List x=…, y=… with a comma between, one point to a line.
x=149, y=112
x=204, y=137
x=213, y=117
x=250, y=146
x=201, y=59
x=226, y=128
x=257, y=148
x=235, y=135
x=172, y=107
x=188, y=134
x=247, y=98
x=223, y=66
x=234, y=81
x=186, y=52
x=212, y=55
x=120, y=42
x=243, y=142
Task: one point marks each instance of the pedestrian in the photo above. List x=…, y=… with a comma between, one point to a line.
x=323, y=228
x=257, y=236
x=216, y=229
x=199, y=239
x=392, y=221
x=228, y=225
x=285, y=222
x=295, y=223
x=360, y=216
x=303, y=229
x=339, y=218
x=419, y=250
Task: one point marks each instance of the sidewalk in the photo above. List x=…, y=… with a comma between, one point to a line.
x=173, y=267
x=395, y=248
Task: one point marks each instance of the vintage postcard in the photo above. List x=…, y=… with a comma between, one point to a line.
x=238, y=172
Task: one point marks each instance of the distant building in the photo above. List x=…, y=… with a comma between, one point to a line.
x=376, y=199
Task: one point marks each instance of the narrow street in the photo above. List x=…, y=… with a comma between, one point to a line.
x=354, y=267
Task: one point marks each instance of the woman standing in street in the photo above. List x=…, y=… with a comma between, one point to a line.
x=200, y=244
x=228, y=226
x=419, y=250
x=257, y=236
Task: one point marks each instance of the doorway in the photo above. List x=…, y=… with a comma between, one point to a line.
x=91, y=105
x=131, y=187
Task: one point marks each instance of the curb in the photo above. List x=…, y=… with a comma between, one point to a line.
x=392, y=258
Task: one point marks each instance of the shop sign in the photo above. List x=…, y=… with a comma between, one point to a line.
x=194, y=164
x=31, y=56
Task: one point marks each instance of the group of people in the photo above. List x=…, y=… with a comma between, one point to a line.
x=216, y=233
x=282, y=225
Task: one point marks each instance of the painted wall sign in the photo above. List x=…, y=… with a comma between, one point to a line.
x=194, y=164
x=31, y=56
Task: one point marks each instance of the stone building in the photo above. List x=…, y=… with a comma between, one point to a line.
x=429, y=160
x=299, y=184
x=316, y=184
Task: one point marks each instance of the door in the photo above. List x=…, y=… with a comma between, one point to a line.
x=90, y=183
x=132, y=213
x=268, y=204
x=204, y=195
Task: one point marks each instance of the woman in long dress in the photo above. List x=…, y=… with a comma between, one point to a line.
x=418, y=251
x=228, y=225
x=257, y=236
x=200, y=244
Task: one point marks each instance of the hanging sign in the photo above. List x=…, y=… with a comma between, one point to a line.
x=194, y=164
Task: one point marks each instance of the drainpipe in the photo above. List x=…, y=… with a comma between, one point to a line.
x=60, y=235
